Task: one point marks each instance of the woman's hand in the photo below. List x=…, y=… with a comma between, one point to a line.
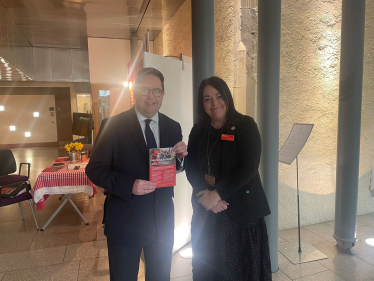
x=220, y=206
x=208, y=198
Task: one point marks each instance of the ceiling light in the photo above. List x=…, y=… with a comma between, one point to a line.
x=126, y=84
x=1, y=107
x=29, y=160
x=12, y=128
x=27, y=134
x=130, y=84
x=36, y=114
x=84, y=96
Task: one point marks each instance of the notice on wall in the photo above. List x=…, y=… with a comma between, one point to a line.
x=295, y=142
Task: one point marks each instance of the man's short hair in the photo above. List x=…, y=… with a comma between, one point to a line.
x=150, y=71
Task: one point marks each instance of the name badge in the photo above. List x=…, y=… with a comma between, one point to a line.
x=227, y=137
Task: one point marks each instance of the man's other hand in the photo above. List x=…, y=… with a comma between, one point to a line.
x=180, y=149
x=142, y=187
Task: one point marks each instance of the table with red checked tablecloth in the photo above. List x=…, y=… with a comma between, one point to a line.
x=60, y=180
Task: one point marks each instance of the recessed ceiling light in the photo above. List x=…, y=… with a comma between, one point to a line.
x=27, y=134
x=36, y=114
x=29, y=160
x=12, y=128
x=1, y=107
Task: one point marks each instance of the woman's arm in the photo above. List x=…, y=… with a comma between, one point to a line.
x=193, y=171
x=249, y=160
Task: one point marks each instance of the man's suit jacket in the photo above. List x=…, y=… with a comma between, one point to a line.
x=240, y=185
x=119, y=158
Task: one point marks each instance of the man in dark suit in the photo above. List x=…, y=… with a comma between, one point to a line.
x=138, y=216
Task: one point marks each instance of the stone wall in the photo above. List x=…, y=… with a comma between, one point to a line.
x=176, y=37
x=309, y=92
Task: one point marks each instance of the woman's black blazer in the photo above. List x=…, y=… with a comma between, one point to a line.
x=240, y=184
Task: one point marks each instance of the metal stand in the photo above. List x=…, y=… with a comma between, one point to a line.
x=289, y=249
x=59, y=209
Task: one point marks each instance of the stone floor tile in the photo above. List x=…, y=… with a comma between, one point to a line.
x=59, y=272
x=322, y=229
x=366, y=219
x=87, y=250
x=323, y=276
x=100, y=232
x=16, y=241
x=180, y=266
x=97, y=269
x=280, y=276
x=295, y=271
x=344, y=265
x=183, y=278
x=31, y=259
x=46, y=240
x=291, y=235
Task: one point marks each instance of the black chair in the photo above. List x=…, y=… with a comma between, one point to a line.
x=8, y=179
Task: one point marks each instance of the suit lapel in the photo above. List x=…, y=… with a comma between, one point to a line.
x=136, y=132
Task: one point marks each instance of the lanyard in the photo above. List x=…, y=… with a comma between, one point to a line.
x=207, y=147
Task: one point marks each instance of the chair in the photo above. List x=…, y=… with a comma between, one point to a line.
x=8, y=167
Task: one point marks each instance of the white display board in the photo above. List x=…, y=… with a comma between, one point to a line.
x=295, y=142
x=177, y=104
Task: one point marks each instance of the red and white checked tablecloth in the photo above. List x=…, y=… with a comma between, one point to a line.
x=60, y=182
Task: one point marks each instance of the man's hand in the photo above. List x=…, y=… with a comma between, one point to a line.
x=142, y=187
x=180, y=149
x=208, y=198
x=220, y=206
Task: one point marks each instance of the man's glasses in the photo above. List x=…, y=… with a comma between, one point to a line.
x=155, y=92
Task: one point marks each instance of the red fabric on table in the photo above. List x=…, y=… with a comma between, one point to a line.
x=63, y=177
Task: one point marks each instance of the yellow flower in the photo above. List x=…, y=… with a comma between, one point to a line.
x=67, y=147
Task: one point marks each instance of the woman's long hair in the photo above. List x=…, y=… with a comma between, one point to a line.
x=233, y=117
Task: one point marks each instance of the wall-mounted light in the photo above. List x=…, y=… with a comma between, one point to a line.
x=36, y=114
x=12, y=128
x=1, y=107
x=126, y=84
x=27, y=134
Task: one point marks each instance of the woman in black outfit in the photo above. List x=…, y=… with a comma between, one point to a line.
x=229, y=237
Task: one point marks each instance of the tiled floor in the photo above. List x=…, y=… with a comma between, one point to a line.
x=70, y=250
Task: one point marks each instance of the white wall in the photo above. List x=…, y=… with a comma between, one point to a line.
x=19, y=111
x=177, y=104
x=108, y=59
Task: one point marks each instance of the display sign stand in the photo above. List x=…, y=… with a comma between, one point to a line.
x=297, y=252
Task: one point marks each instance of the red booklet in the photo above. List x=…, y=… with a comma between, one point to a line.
x=162, y=166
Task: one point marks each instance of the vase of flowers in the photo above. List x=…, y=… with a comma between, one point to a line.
x=74, y=149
